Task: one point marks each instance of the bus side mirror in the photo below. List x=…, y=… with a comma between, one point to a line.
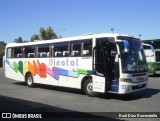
x=126, y=46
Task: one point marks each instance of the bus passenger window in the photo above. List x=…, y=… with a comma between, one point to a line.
x=65, y=53
x=19, y=55
x=61, y=49
x=9, y=52
x=29, y=51
x=157, y=53
x=85, y=52
x=76, y=49
x=43, y=50
x=87, y=48
x=58, y=54
x=17, y=52
x=30, y=55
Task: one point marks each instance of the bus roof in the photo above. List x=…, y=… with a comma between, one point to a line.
x=84, y=36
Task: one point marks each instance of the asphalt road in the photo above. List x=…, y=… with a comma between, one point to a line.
x=17, y=97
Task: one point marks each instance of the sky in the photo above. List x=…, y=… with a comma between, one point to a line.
x=23, y=18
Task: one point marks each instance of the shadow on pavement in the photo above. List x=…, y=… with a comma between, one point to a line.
x=146, y=93
x=54, y=88
x=155, y=75
x=13, y=105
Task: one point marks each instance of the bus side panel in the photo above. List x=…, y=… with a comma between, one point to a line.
x=42, y=71
x=48, y=80
x=72, y=82
x=76, y=72
x=151, y=63
x=67, y=72
x=158, y=67
x=12, y=70
x=151, y=67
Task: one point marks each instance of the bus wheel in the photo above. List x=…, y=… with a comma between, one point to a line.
x=88, y=88
x=29, y=80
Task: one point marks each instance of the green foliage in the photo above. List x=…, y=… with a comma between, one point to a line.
x=19, y=40
x=60, y=36
x=3, y=43
x=47, y=34
x=43, y=33
x=35, y=37
x=50, y=33
x=2, y=47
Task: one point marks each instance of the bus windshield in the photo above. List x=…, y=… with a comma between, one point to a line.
x=134, y=60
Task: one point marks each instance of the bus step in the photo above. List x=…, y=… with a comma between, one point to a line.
x=115, y=82
x=114, y=88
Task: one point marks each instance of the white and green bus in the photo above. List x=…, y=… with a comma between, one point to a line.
x=95, y=63
x=153, y=58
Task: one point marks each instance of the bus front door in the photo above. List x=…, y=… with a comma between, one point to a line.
x=102, y=71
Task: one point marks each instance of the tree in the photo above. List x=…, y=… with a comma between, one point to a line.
x=60, y=36
x=50, y=34
x=19, y=40
x=35, y=37
x=47, y=34
x=2, y=47
x=43, y=33
x=3, y=43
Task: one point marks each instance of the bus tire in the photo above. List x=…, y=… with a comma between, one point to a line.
x=29, y=80
x=88, y=88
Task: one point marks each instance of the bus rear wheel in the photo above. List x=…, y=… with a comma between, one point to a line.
x=88, y=88
x=29, y=80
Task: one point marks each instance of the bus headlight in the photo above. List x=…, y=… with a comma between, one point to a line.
x=141, y=79
x=126, y=80
x=124, y=86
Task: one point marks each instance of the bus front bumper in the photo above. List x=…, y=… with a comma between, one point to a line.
x=125, y=88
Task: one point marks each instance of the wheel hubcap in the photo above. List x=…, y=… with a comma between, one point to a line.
x=90, y=88
x=29, y=80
